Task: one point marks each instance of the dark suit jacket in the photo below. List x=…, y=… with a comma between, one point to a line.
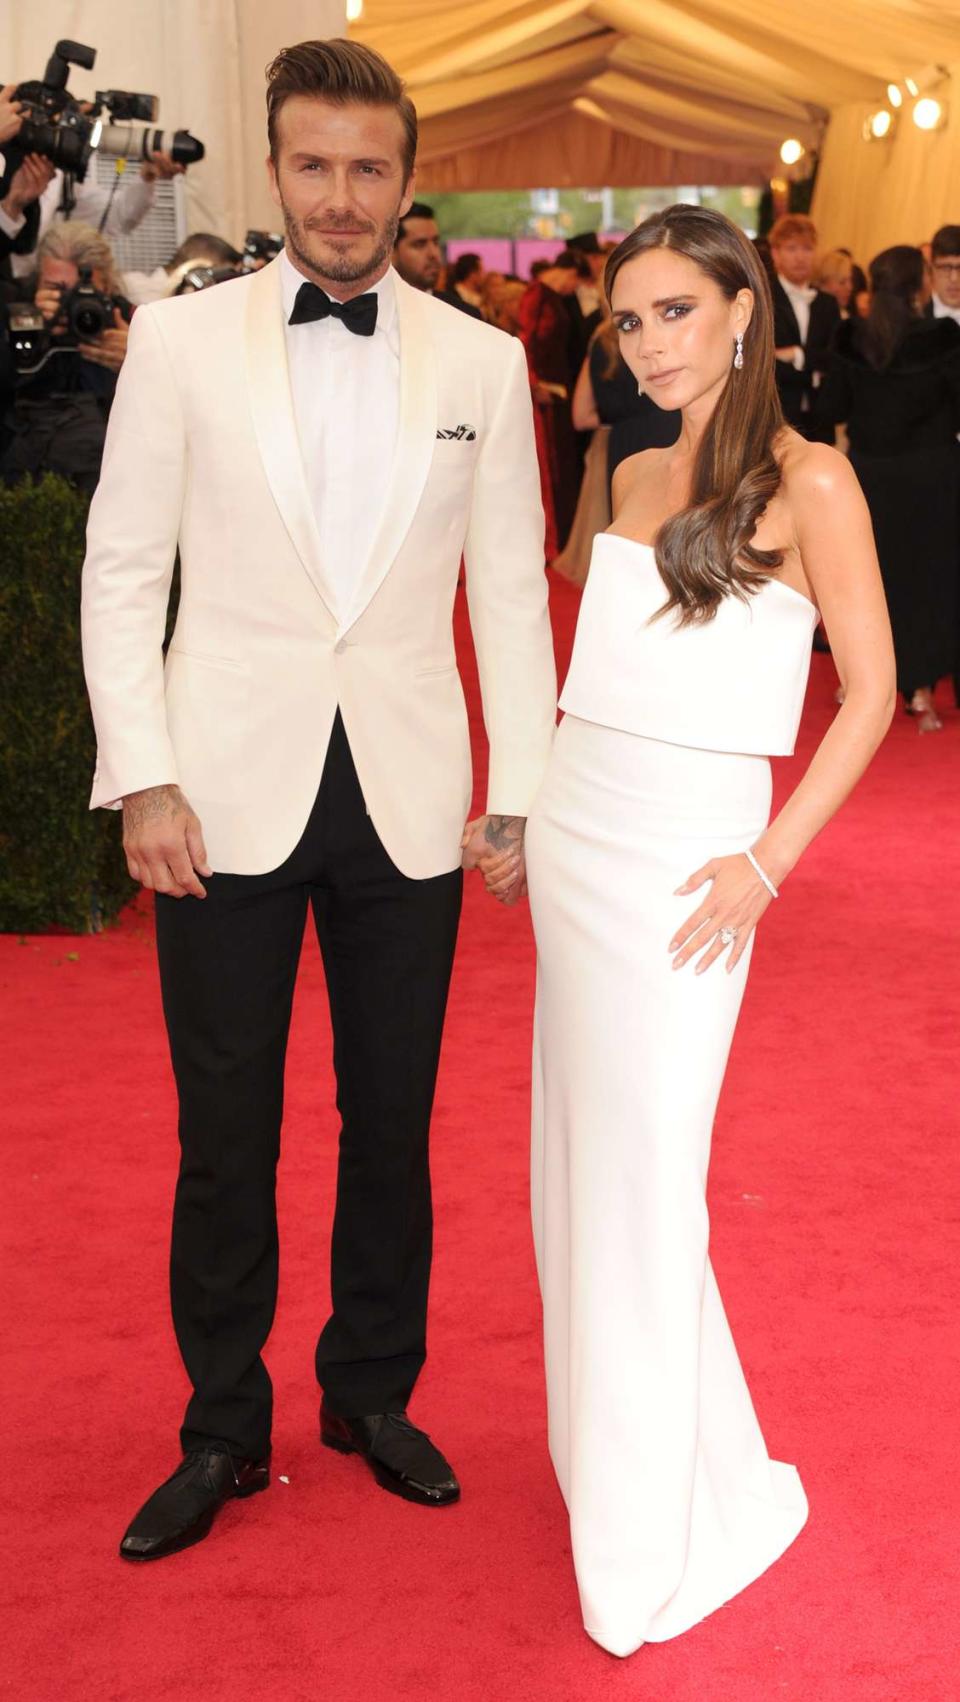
x=455, y=299
x=26, y=241
x=798, y=393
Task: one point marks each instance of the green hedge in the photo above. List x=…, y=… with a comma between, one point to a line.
x=61, y=864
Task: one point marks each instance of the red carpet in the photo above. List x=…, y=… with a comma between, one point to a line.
x=835, y=1241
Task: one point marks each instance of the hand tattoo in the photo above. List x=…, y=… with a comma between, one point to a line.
x=505, y=833
x=149, y=805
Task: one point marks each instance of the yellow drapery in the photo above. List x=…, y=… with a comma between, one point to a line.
x=529, y=93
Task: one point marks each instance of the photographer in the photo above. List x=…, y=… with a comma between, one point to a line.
x=28, y=216
x=201, y=248
x=62, y=404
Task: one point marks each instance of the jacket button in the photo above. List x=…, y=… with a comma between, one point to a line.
x=340, y=647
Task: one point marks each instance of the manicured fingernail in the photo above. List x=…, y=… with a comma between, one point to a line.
x=677, y=963
x=673, y=945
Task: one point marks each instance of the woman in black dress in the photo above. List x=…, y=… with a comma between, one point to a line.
x=894, y=380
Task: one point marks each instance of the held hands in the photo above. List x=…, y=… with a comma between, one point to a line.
x=736, y=901
x=494, y=845
x=163, y=841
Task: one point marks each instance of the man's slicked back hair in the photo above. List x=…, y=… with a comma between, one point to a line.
x=340, y=72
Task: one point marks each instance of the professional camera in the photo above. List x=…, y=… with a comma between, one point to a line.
x=84, y=310
x=202, y=277
x=259, y=246
x=67, y=132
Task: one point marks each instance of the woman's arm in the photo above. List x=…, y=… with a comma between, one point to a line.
x=835, y=539
x=584, y=409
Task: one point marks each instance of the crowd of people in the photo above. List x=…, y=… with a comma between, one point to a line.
x=866, y=359
x=869, y=359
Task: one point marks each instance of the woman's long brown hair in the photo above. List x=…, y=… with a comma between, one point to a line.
x=705, y=552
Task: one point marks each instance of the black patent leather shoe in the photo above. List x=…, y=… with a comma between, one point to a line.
x=182, y=1510
x=402, y=1458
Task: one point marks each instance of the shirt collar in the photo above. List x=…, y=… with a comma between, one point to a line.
x=942, y=311
x=797, y=292
x=385, y=291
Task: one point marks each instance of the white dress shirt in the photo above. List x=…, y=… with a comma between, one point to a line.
x=800, y=297
x=346, y=402
x=129, y=205
x=942, y=311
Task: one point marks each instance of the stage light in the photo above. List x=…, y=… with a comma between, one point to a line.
x=878, y=126
x=894, y=94
x=792, y=151
x=928, y=114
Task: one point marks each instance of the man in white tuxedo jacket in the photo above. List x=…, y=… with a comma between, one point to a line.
x=322, y=443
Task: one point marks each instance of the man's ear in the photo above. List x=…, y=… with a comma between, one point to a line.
x=409, y=194
x=272, y=179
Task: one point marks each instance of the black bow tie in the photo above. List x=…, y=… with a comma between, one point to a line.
x=359, y=315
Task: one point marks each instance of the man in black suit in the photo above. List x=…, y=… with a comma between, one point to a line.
x=945, y=268
x=464, y=279
x=805, y=323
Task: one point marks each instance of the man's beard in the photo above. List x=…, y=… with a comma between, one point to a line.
x=342, y=270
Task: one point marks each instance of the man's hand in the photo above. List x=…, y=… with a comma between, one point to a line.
x=494, y=845
x=10, y=114
x=160, y=165
x=47, y=299
x=163, y=841
x=27, y=184
x=110, y=347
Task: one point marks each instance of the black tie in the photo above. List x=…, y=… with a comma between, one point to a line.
x=359, y=315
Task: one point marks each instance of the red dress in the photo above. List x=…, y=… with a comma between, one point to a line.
x=544, y=330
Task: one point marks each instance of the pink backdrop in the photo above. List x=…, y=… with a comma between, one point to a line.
x=505, y=254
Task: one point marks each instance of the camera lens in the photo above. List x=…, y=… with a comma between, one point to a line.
x=87, y=319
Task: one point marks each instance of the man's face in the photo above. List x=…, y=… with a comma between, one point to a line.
x=417, y=255
x=794, y=259
x=57, y=274
x=339, y=181
x=946, y=279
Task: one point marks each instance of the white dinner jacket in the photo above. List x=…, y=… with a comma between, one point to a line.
x=202, y=453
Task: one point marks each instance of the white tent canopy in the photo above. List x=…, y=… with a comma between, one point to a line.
x=535, y=93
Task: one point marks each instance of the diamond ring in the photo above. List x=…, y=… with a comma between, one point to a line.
x=727, y=936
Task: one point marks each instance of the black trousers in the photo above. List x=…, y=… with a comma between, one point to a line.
x=228, y=965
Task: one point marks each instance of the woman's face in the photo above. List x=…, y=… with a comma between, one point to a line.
x=677, y=329
x=840, y=286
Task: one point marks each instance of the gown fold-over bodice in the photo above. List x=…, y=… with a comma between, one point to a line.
x=734, y=683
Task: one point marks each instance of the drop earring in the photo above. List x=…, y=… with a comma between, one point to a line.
x=639, y=389
x=738, y=357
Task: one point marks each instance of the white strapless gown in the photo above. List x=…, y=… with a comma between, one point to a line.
x=659, y=765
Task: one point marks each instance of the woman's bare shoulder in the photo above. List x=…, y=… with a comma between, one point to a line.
x=812, y=471
x=635, y=469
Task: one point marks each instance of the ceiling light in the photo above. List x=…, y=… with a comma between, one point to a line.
x=911, y=86
x=928, y=114
x=792, y=151
x=894, y=94
x=879, y=125
x=354, y=10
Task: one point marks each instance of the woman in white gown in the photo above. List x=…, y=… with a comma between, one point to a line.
x=688, y=673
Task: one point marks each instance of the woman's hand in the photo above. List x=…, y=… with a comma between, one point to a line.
x=736, y=901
